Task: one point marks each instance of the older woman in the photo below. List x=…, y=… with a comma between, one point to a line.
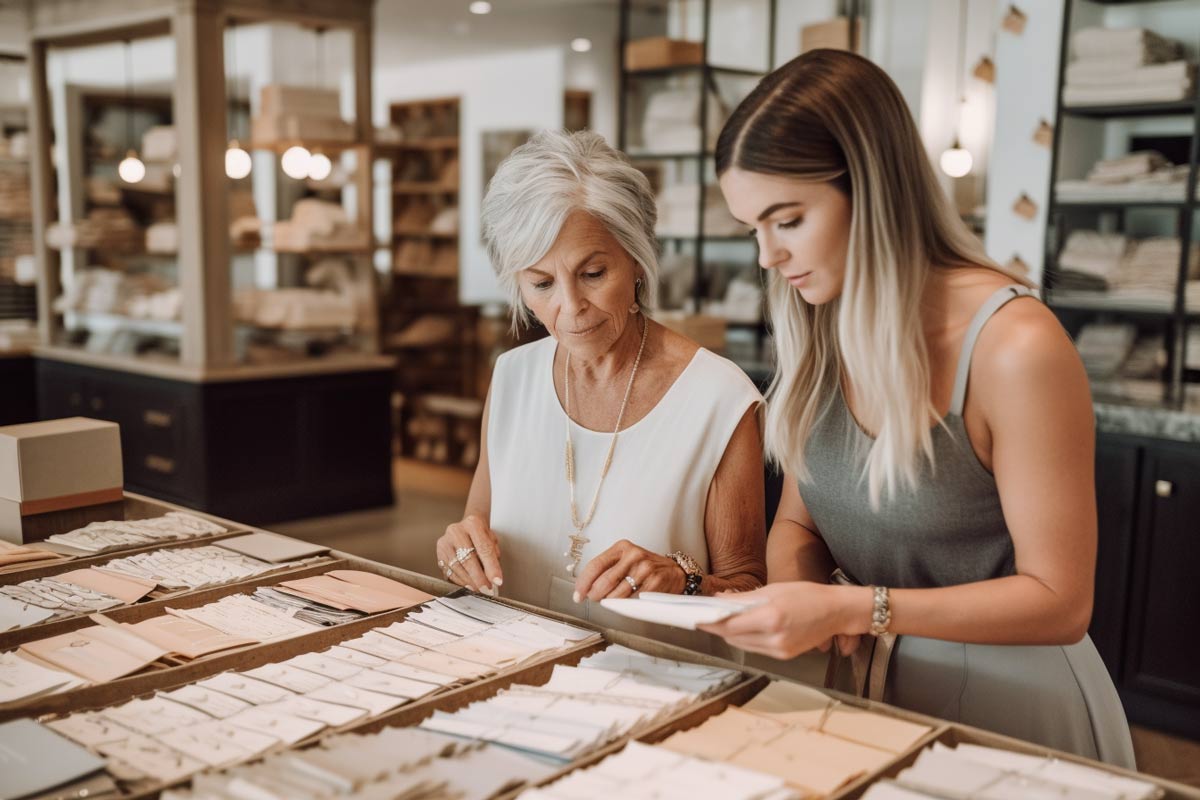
x=617, y=456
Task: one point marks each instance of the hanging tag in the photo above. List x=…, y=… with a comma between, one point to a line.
x=985, y=70
x=1014, y=20
x=1024, y=207
x=1044, y=134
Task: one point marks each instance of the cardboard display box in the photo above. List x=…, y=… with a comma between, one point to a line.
x=54, y=466
x=658, y=52
x=836, y=34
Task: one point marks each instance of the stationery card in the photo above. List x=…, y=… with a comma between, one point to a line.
x=373, y=703
x=289, y=677
x=285, y=727
x=416, y=634
x=252, y=691
x=154, y=715
x=216, y=704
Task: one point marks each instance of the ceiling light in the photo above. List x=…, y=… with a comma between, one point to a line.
x=581, y=45
x=237, y=161
x=296, y=161
x=131, y=169
x=320, y=167
x=956, y=161
x=480, y=7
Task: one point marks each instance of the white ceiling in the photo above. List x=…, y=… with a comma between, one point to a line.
x=422, y=30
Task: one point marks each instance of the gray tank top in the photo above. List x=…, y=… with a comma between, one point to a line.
x=946, y=531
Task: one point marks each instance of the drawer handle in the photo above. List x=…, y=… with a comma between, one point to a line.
x=1164, y=488
x=157, y=419
x=161, y=464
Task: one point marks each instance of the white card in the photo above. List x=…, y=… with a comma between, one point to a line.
x=373, y=702
x=204, y=744
x=89, y=729
x=216, y=704
x=289, y=677
x=21, y=678
x=15, y=614
x=417, y=634
x=322, y=664
x=416, y=674
x=381, y=646
x=282, y=726
x=331, y=714
x=155, y=715
x=376, y=681
x=253, y=691
x=356, y=657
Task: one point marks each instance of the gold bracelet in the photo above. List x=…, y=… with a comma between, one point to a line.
x=881, y=614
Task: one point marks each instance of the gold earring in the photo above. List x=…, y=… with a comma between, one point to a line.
x=635, y=308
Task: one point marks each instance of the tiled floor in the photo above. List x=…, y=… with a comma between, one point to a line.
x=430, y=498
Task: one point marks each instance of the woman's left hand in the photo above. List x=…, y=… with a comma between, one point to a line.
x=604, y=576
x=796, y=617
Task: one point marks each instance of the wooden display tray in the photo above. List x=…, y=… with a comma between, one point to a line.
x=135, y=507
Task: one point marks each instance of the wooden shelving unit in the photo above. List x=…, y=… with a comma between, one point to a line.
x=431, y=335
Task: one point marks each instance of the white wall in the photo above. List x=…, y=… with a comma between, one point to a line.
x=490, y=100
x=1026, y=86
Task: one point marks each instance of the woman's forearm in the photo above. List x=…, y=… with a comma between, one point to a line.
x=1015, y=610
x=795, y=553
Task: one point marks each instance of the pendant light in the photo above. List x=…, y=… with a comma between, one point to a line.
x=319, y=166
x=131, y=169
x=237, y=161
x=956, y=161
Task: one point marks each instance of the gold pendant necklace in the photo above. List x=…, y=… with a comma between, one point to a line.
x=578, y=540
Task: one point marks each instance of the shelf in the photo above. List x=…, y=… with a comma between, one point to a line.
x=1077, y=301
x=1118, y=205
x=418, y=273
x=92, y=320
x=1138, y=110
x=324, y=250
x=432, y=143
x=423, y=187
x=313, y=145
x=412, y=233
x=682, y=69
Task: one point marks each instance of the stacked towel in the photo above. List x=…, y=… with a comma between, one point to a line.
x=672, y=121
x=677, y=212
x=1153, y=266
x=1090, y=260
x=1143, y=175
x=1126, y=65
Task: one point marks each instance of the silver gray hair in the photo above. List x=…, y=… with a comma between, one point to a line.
x=546, y=179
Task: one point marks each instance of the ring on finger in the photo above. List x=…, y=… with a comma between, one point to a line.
x=462, y=554
x=632, y=583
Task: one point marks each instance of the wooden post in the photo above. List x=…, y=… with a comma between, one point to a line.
x=201, y=194
x=42, y=189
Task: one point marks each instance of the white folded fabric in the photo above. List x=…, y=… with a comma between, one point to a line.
x=1104, y=95
x=1130, y=44
x=1103, y=72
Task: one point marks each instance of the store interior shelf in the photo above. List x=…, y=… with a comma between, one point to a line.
x=431, y=143
x=322, y=145
x=683, y=69
x=1135, y=110
x=1081, y=302
x=1118, y=205
x=422, y=187
x=418, y=233
x=96, y=320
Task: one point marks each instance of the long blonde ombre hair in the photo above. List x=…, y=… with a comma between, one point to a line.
x=833, y=116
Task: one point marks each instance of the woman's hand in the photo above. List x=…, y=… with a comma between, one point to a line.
x=481, y=570
x=604, y=576
x=797, y=617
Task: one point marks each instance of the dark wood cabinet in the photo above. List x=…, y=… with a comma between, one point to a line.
x=1148, y=578
x=262, y=450
x=18, y=392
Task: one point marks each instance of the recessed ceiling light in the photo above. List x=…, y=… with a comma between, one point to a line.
x=480, y=7
x=581, y=45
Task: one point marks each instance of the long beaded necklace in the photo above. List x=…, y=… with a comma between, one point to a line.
x=578, y=540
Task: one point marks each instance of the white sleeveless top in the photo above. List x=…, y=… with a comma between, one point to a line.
x=655, y=494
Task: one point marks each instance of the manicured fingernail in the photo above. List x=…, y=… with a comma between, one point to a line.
x=498, y=581
x=575, y=597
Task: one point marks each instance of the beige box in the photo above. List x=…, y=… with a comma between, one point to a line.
x=660, y=51
x=834, y=34
x=278, y=98
x=53, y=466
x=271, y=128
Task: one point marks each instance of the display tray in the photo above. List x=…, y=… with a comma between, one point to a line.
x=134, y=506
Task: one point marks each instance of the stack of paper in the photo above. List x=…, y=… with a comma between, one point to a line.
x=14, y=554
x=394, y=763
x=972, y=771
x=643, y=771
x=191, y=567
x=814, y=744
x=583, y=708
x=98, y=537
x=23, y=679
